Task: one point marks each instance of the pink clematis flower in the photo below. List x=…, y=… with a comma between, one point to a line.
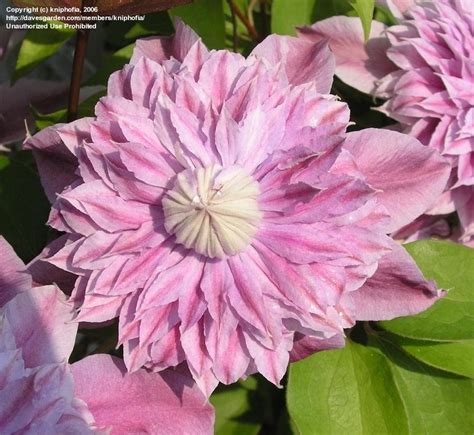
x=41, y=393
x=424, y=68
x=216, y=205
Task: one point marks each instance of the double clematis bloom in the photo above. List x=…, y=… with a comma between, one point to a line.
x=41, y=393
x=218, y=207
x=424, y=68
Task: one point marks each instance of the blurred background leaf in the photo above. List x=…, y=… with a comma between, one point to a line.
x=24, y=208
x=288, y=14
x=234, y=412
x=39, y=45
x=206, y=17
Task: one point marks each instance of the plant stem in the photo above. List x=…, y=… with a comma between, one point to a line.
x=77, y=67
x=245, y=21
x=234, y=27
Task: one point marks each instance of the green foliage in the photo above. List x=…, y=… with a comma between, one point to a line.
x=206, y=17
x=452, y=318
x=116, y=61
x=288, y=14
x=38, y=45
x=455, y=357
x=234, y=411
x=23, y=205
x=329, y=8
x=365, y=10
x=254, y=406
x=376, y=389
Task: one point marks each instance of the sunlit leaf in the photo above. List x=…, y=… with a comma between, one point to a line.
x=456, y=357
x=38, y=45
x=288, y=14
x=376, y=389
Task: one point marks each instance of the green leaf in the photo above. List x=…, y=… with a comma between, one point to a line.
x=436, y=402
x=38, y=45
x=23, y=206
x=234, y=411
x=206, y=17
x=451, y=318
x=288, y=14
x=44, y=120
x=329, y=8
x=365, y=10
x=345, y=391
x=115, y=62
x=455, y=357
x=376, y=389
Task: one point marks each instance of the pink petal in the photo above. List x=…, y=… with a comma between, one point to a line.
x=106, y=208
x=140, y=402
x=397, y=7
x=49, y=334
x=271, y=363
x=397, y=288
x=323, y=243
x=44, y=273
x=409, y=175
x=464, y=200
x=359, y=64
x=56, y=162
x=160, y=49
x=13, y=275
x=305, y=346
x=304, y=61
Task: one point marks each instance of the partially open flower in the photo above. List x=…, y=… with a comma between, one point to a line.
x=40, y=393
x=220, y=210
x=424, y=68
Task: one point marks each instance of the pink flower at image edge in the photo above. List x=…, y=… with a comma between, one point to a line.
x=423, y=66
x=41, y=393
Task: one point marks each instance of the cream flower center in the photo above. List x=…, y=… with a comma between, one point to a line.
x=213, y=210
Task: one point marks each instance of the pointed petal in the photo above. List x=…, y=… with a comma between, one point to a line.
x=397, y=288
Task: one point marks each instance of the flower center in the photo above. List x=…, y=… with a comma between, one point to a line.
x=213, y=210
